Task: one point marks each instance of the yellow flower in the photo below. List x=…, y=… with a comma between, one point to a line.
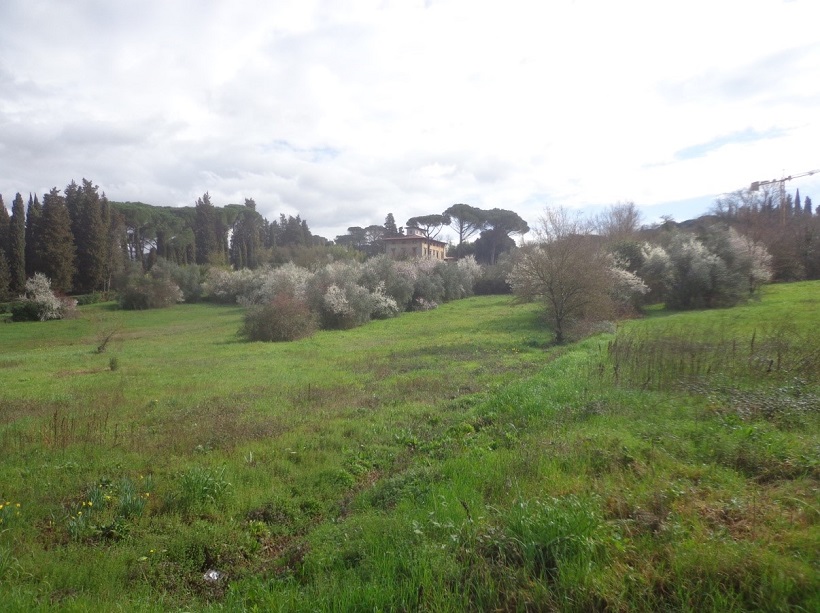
x=17, y=505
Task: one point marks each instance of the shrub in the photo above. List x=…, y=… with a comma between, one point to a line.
x=493, y=280
x=187, y=278
x=153, y=290
x=347, y=307
x=287, y=279
x=395, y=279
x=383, y=305
x=40, y=303
x=458, y=278
x=228, y=286
x=701, y=278
x=429, y=287
x=284, y=318
x=656, y=271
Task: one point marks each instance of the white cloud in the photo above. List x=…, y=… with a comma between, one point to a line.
x=346, y=111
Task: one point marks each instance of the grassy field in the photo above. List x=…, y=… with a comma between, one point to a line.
x=446, y=460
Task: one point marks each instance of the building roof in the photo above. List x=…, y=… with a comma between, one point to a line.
x=413, y=238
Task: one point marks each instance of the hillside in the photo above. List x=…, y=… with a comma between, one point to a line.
x=442, y=460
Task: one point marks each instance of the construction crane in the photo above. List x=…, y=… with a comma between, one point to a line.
x=781, y=183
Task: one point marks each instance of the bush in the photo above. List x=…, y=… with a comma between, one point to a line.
x=284, y=318
x=493, y=281
x=429, y=287
x=154, y=290
x=40, y=303
x=187, y=278
x=228, y=286
x=93, y=298
x=347, y=307
x=287, y=279
x=396, y=279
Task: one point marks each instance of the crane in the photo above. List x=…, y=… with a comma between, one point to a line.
x=756, y=185
x=781, y=183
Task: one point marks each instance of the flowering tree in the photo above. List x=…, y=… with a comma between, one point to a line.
x=40, y=303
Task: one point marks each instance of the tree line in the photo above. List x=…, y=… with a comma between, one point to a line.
x=789, y=230
x=82, y=241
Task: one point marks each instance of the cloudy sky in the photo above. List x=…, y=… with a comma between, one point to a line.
x=346, y=110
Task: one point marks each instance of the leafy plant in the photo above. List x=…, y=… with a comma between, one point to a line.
x=200, y=486
x=40, y=303
x=283, y=318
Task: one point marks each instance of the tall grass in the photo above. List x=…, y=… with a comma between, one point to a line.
x=663, y=358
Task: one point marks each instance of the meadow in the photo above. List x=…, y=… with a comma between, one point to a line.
x=446, y=460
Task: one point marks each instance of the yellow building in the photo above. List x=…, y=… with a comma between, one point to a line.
x=414, y=245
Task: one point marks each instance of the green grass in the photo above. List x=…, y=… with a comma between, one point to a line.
x=446, y=460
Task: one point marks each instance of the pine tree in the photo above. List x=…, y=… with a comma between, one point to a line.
x=56, y=255
x=17, y=245
x=34, y=218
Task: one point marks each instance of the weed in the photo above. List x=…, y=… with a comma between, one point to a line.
x=200, y=486
x=9, y=514
x=9, y=565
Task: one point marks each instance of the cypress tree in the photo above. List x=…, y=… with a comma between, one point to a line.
x=807, y=206
x=4, y=226
x=797, y=205
x=390, y=228
x=246, y=238
x=17, y=245
x=57, y=252
x=116, y=251
x=89, y=231
x=5, y=278
x=207, y=244
x=34, y=217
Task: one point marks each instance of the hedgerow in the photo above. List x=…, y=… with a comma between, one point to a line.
x=341, y=294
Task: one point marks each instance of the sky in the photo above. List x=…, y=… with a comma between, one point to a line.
x=343, y=111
